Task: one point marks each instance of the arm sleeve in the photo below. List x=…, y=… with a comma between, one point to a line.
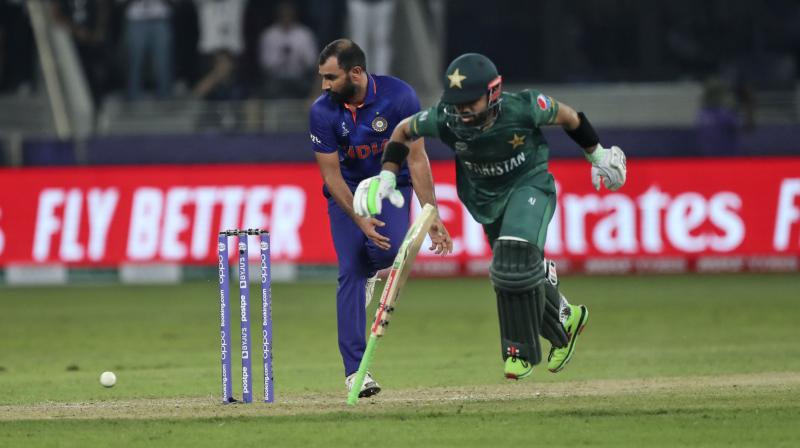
x=320, y=132
x=543, y=108
x=425, y=123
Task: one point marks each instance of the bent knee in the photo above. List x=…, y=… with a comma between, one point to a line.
x=516, y=265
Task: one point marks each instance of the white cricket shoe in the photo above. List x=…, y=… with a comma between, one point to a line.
x=369, y=289
x=368, y=389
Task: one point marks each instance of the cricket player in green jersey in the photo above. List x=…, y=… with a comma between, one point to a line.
x=503, y=180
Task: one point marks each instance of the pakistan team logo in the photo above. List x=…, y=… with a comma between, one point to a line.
x=518, y=140
x=379, y=124
x=461, y=146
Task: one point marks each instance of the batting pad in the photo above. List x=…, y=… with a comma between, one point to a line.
x=518, y=276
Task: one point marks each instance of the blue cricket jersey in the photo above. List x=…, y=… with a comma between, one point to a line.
x=359, y=134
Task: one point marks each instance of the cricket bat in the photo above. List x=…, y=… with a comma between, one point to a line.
x=401, y=267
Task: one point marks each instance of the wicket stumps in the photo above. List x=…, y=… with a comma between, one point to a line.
x=244, y=312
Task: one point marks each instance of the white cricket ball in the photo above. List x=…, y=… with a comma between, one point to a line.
x=108, y=379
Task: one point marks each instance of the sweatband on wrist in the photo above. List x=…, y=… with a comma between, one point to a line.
x=584, y=135
x=394, y=152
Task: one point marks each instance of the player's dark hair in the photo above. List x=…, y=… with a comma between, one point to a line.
x=347, y=52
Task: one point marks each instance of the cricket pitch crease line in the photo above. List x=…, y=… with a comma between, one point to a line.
x=208, y=407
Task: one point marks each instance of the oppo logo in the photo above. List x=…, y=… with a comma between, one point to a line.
x=263, y=268
x=224, y=345
x=221, y=268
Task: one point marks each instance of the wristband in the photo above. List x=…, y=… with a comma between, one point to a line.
x=394, y=152
x=584, y=135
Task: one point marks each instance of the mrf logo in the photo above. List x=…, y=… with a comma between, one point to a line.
x=364, y=151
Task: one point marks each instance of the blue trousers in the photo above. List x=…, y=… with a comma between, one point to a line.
x=359, y=259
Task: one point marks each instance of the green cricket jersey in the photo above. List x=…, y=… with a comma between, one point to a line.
x=512, y=153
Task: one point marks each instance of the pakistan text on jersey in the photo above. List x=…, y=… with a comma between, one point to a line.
x=495, y=168
x=364, y=151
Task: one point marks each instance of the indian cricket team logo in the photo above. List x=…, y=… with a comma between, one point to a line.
x=543, y=102
x=379, y=124
x=221, y=247
x=461, y=146
x=264, y=245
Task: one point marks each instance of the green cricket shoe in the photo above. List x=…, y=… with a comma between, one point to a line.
x=559, y=357
x=517, y=368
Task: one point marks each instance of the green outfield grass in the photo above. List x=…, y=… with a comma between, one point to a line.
x=664, y=361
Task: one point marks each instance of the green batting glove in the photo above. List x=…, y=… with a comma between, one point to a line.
x=369, y=196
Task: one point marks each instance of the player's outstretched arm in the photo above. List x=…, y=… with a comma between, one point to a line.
x=371, y=192
x=608, y=164
x=422, y=179
x=402, y=135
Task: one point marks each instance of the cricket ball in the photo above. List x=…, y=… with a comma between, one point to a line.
x=108, y=379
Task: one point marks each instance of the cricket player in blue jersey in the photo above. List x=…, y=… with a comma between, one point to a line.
x=349, y=126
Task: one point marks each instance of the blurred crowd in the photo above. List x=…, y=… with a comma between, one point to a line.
x=244, y=49
x=625, y=40
x=253, y=48
x=211, y=49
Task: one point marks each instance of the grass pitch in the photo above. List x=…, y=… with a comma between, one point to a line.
x=664, y=361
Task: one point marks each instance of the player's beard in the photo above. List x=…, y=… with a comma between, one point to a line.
x=481, y=120
x=347, y=93
x=478, y=120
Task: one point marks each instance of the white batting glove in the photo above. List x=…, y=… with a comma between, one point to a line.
x=369, y=196
x=608, y=164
